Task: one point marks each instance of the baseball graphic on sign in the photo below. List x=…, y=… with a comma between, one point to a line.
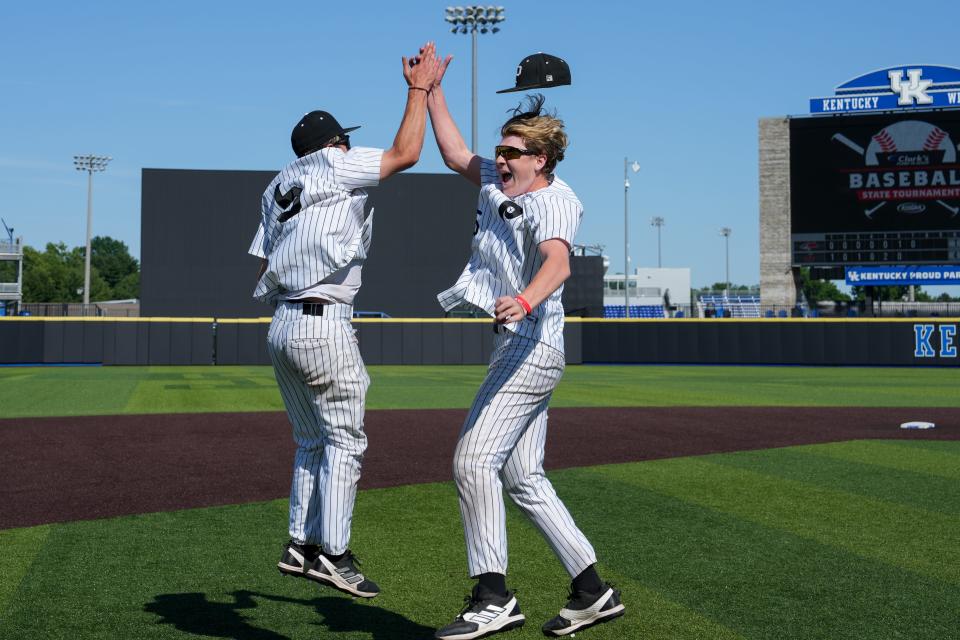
x=891, y=145
x=907, y=164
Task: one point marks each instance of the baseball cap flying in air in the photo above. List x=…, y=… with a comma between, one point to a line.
x=540, y=71
x=314, y=130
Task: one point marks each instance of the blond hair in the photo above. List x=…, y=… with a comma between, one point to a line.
x=540, y=132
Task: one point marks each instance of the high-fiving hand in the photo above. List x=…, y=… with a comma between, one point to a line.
x=420, y=71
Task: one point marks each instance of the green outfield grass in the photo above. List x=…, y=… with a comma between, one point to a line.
x=841, y=541
x=60, y=391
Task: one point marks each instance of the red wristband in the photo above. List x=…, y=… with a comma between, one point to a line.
x=523, y=303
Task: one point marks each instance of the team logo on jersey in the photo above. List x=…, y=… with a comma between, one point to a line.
x=510, y=210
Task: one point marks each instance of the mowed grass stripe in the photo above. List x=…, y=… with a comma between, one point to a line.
x=943, y=462
x=63, y=391
x=650, y=613
x=204, y=389
x=864, y=526
x=760, y=581
x=951, y=447
x=21, y=548
x=910, y=489
x=654, y=615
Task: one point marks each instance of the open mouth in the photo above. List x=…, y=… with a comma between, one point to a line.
x=505, y=177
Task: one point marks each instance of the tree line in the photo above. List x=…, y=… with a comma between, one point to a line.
x=56, y=274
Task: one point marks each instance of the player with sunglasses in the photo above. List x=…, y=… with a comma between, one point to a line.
x=527, y=218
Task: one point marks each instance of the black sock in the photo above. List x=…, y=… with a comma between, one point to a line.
x=495, y=582
x=588, y=580
x=333, y=558
x=310, y=551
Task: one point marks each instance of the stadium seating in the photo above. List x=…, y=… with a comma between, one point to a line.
x=636, y=311
x=738, y=306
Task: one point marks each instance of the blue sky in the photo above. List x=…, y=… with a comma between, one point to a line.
x=678, y=87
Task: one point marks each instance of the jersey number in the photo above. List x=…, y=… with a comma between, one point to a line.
x=285, y=200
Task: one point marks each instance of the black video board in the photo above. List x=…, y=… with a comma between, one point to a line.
x=875, y=189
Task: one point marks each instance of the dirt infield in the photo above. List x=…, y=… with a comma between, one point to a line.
x=62, y=469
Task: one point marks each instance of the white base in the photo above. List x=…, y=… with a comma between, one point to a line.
x=917, y=424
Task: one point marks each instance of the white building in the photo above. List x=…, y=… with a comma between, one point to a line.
x=649, y=287
x=11, y=293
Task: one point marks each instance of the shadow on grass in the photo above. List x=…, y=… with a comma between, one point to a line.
x=193, y=613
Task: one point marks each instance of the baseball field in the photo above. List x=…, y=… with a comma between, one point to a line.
x=725, y=502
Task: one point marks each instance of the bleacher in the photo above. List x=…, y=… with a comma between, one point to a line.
x=738, y=306
x=636, y=311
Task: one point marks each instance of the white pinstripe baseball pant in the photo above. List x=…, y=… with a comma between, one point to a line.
x=501, y=447
x=323, y=384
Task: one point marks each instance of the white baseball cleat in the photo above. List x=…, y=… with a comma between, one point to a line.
x=306, y=561
x=485, y=614
x=296, y=558
x=585, y=610
x=342, y=575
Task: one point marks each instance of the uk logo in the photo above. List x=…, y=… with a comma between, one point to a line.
x=914, y=91
x=904, y=87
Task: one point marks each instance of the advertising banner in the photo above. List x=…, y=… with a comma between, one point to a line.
x=880, y=276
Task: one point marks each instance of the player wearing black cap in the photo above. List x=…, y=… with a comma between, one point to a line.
x=313, y=238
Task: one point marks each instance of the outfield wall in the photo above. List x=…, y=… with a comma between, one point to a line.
x=192, y=341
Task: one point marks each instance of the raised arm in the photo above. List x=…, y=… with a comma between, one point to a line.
x=454, y=150
x=420, y=74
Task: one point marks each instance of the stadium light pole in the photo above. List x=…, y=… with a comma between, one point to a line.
x=658, y=222
x=472, y=19
x=626, y=241
x=725, y=232
x=90, y=164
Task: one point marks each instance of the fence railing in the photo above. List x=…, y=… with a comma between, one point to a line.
x=78, y=309
x=11, y=248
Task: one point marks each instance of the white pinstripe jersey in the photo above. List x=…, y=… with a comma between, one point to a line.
x=312, y=219
x=505, y=257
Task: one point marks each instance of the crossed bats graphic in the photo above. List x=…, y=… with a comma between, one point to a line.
x=850, y=144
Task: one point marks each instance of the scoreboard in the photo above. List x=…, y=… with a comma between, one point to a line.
x=905, y=247
x=875, y=189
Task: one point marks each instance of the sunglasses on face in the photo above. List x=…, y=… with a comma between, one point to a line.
x=512, y=153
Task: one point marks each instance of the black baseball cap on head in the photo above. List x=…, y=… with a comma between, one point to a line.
x=540, y=71
x=314, y=130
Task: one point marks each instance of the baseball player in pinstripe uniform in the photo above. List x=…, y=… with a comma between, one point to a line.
x=312, y=241
x=526, y=222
